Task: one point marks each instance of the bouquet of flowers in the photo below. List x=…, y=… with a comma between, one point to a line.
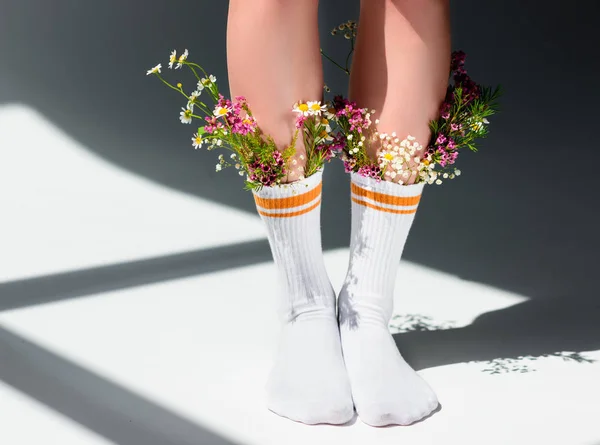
x=335, y=127
x=462, y=119
x=230, y=125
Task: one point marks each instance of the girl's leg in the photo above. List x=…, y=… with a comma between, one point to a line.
x=401, y=64
x=274, y=60
x=400, y=69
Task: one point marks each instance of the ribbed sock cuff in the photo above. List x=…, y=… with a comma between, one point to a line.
x=288, y=200
x=385, y=196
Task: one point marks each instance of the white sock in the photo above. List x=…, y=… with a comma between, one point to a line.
x=386, y=390
x=308, y=382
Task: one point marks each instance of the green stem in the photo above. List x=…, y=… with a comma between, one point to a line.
x=349, y=54
x=334, y=62
x=171, y=86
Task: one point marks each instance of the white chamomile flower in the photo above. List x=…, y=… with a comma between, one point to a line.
x=220, y=111
x=200, y=86
x=172, y=58
x=197, y=140
x=182, y=57
x=301, y=108
x=325, y=122
x=156, y=69
x=185, y=116
x=315, y=107
x=192, y=99
x=206, y=82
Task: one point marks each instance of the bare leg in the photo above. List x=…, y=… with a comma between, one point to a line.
x=273, y=59
x=401, y=64
x=401, y=70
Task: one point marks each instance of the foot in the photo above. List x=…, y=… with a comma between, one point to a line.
x=308, y=382
x=386, y=390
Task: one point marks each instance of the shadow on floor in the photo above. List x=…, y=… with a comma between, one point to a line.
x=532, y=328
x=79, y=283
x=99, y=405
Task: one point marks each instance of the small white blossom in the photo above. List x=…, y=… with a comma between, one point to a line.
x=172, y=58
x=197, y=140
x=218, y=167
x=156, y=69
x=182, y=58
x=185, y=116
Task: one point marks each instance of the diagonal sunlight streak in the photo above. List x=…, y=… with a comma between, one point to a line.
x=66, y=209
x=96, y=403
x=80, y=283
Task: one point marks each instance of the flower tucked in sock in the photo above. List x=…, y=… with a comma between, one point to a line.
x=386, y=390
x=308, y=382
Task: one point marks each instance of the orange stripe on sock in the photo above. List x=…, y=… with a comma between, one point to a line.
x=289, y=214
x=289, y=202
x=383, y=209
x=386, y=199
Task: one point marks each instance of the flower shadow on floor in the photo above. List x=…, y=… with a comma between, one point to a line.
x=407, y=328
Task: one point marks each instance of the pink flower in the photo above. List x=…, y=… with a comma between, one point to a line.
x=370, y=171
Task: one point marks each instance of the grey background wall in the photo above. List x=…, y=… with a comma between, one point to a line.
x=523, y=217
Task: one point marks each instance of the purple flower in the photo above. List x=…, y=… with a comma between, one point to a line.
x=457, y=60
x=370, y=171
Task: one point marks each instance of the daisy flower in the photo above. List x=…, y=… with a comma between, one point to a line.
x=220, y=111
x=330, y=113
x=172, y=58
x=197, y=140
x=315, y=107
x=185, y=116
x=301, y=108
x=182, y=58
x=206, y=82
x=192, y=99
x=325, y=122
x=156, y=69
